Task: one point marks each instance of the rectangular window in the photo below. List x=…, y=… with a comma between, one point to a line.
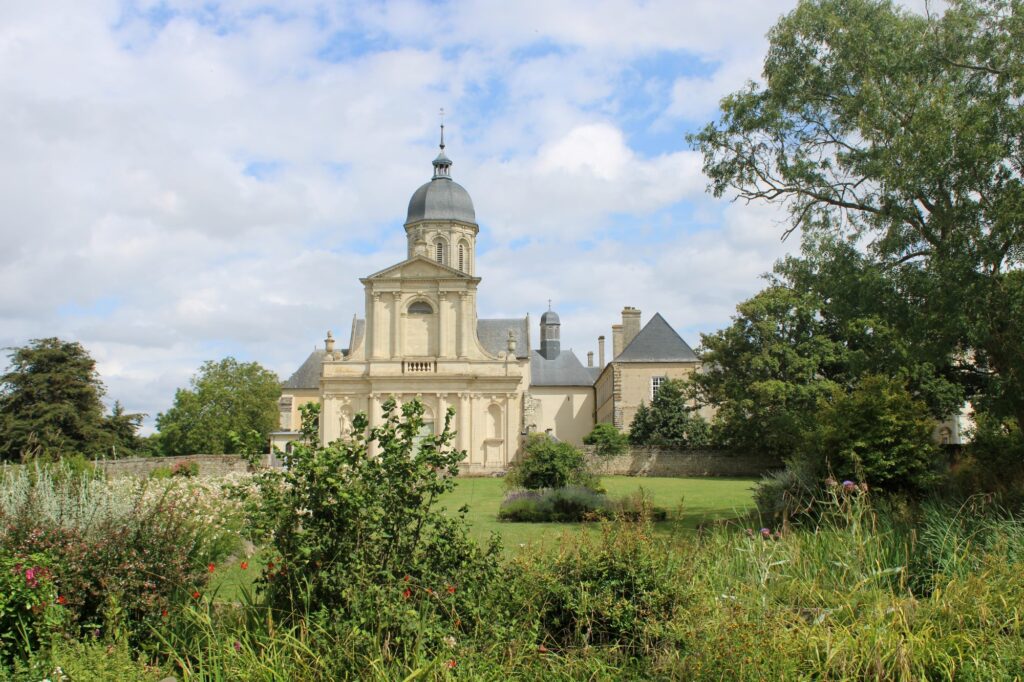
x=656, y=383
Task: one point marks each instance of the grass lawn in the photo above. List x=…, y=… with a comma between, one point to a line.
x=689, y=501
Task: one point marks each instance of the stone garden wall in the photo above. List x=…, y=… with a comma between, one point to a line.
x=659, y=462
x=209, y=465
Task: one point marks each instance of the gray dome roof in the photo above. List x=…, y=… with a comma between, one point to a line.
x=441, y=199
x=550, y=317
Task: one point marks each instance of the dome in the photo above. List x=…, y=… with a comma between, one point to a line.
x=441, y=199
x=550, y=317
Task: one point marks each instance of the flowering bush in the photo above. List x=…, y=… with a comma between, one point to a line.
x=121, y=551
x=29, y=604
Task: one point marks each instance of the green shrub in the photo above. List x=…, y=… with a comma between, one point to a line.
x=161, y=473
x=563, y=505
x=878, y=434
x=607, y=440
x=360, y=541
x=619, y=589
x=548, y=463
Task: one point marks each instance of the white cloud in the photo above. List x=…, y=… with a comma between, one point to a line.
x=131, y=223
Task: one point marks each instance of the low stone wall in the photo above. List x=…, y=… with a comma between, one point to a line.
x=209, y=465
x=659, y=462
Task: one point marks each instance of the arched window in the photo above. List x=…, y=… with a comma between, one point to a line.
x=421, y=308
x=462, y=258
x=439, y=251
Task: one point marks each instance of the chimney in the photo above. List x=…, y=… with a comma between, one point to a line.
x=600, y=352
x=590, y=358
x=630, y=324
x=616, y=340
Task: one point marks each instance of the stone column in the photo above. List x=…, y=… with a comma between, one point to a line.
x=511, y=431
x=442, y=405
x=442, y=324
x=463, y=421
x=377, y=338
x=396, y=337
x=461, y=326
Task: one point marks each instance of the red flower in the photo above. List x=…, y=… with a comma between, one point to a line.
x=451, y=589
x=210, y=567
x=195, y=594
x=163, y=614
x=407, y=593
x=406, y=578
x=245, y=565
x=542, y=649
x=458, y=622
x=61, y=599
x=451, y=663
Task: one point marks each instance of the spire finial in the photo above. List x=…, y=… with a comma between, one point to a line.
x=549, y=304
x=442, y=128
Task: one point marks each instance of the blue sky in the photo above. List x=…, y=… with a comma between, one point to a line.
x=184, y=180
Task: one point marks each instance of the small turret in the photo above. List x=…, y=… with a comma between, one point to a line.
x=550, y=333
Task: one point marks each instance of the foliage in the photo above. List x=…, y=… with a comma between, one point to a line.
x=607, y=440
x=548, y=463
x=911, y=147
x=766, y=372
x=358, y=534
x=187, y=469
x=993, y=462
x=567, y=504
x=50, y=406
x=879, y=434
x=670, y=422
x=225, y=403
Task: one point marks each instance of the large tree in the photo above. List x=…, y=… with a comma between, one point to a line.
x=225, y=399
x=50, y=405
x=903, y=132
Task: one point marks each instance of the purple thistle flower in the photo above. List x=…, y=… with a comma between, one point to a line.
x=849, y=486
x=766, y=533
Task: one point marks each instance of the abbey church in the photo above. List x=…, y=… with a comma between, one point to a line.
x=420, y=338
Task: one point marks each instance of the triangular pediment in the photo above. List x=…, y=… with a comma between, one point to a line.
x=419, y=267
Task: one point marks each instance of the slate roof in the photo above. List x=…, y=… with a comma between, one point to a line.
x=493, y=335
x=308, y=375
x=657, y=342
x=565, y=369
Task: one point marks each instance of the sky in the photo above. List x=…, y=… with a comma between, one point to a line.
x=183, y=181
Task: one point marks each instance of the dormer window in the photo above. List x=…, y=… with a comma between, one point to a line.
x=421, y=308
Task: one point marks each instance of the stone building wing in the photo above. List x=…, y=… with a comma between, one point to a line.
x=657, y=342
x=563, y=370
